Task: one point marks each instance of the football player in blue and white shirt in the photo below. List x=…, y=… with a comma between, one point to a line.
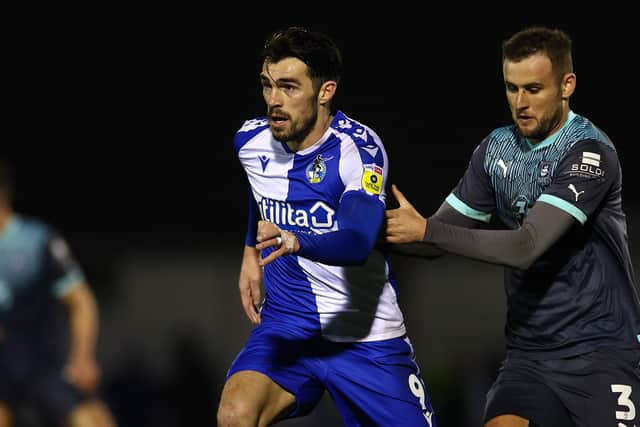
x=330, y=319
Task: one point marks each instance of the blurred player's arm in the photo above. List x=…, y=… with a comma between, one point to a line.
x=250, y=278
x=82, y=368
x=360, y=216
x=71, y=287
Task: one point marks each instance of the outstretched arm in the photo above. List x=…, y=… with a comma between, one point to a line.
x=519, y=248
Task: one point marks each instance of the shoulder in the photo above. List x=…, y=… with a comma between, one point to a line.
x=31, y=227
x=359, y=133
x=498, y=141
x=498, y=137
x=581, y=130
x=249, y=129
x=359, y=141
x=503, y=134
x=29, y=232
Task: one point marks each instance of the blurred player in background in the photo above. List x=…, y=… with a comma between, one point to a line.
x=330, y=318
x=48, y=325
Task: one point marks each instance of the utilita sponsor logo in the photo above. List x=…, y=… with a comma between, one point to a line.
x=318, y=216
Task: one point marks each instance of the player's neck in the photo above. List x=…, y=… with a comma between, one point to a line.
x=5, y=217
x=322, y=124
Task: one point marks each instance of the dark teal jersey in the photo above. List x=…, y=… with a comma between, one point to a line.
x=580, y=294
x=36, y=269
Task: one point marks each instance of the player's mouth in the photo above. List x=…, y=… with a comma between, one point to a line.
x=277, y=121
x=525, y=120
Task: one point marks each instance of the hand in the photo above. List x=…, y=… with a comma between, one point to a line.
x=83, y=372
x=249, y=283
x=269, y=234
x=404, y=224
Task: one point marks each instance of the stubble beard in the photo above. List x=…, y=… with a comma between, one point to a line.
x=544, y=126
x=297, y=131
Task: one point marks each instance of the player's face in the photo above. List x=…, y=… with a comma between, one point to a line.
x=536, y=97
x=291, y=99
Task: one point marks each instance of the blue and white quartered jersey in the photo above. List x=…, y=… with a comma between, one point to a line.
x=579, y=295
x=301, y=192
x=36, y=269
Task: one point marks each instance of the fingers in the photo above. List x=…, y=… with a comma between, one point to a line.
x=267, y=230
x=389, y=238
x=274, y=241
x=251, y=306
x=256, y=302
x=252, y=313
x=390, y=232
x=402, y=201
x=273, y=256
x=85, y=377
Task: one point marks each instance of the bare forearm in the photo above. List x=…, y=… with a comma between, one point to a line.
x=83, y=321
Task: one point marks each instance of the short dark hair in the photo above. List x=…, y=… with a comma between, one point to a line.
x=6, y=180
x=315, y=49
x=553, y=42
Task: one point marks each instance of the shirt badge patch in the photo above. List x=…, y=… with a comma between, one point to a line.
x=317, y=170
x=545, y=170
x=372, y=179
x=589, y=158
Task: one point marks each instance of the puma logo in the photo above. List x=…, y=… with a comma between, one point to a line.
x=575, y=191
x=503, y=166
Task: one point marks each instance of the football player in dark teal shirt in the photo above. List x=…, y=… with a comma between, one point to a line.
x=551, y=186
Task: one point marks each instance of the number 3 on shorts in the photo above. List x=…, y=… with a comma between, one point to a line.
x=623, y=400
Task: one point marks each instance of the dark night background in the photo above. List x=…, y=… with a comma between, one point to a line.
x=120, y=121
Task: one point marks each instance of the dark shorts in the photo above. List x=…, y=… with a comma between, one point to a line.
x=591, y=390
x=372, y=383
x=39, y=385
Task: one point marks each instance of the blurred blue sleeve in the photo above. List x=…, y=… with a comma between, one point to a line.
x=252, y=223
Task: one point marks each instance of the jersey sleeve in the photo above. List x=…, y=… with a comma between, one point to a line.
x=363, y=166
x=65, y=272
x=361, y=210
x=473, y=196
x=585, y=176
x=252, y=221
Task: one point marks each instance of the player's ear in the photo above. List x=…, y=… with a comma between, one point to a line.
x=327, y=91
x=568, y=85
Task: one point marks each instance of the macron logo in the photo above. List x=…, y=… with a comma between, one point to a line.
x=575, y=191
x=264, y=160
